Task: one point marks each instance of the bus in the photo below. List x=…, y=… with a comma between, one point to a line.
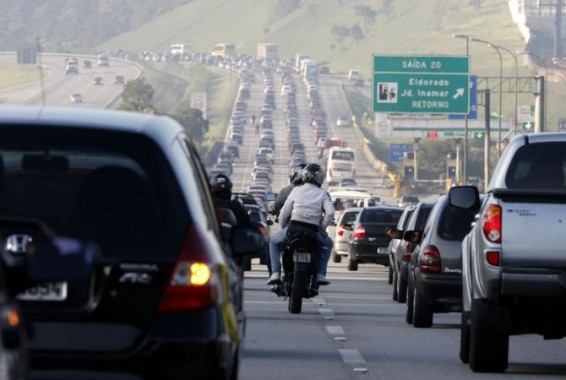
x=224, y=50
x=180, y=49
x=340, y=163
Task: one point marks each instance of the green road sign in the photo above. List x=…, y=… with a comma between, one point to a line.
x=421, y=84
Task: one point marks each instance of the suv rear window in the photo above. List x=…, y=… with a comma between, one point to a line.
x=383, y=216
x=116, y=188
x=455, y=223
x=538, y=165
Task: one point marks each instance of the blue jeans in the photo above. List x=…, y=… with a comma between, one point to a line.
x=278, y=238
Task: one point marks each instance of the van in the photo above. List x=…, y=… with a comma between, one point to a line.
x=353, y=74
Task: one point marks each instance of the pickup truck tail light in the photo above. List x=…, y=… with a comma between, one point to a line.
x=359, y=233
x=429, y=261
x=492, y=224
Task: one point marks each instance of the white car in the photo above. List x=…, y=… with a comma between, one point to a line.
x=343, y=121
x=76, y=98
x=268, y=153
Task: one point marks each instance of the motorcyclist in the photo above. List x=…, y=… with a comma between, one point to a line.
x=221, y=188
x=307, y=207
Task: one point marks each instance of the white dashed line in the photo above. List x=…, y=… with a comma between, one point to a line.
x=351, y=356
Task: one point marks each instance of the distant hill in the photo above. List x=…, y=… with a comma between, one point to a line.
x=344, y=33
x=74, y=26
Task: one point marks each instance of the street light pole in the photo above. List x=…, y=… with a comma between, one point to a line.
x=465, y=153
x=473, y=39
x=516, y=85
x=546, y=78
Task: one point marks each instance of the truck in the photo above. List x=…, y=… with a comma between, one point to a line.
x=71, y=66
x=267, y=52
x=103, y=60
x=298, y=59
x=513, y=258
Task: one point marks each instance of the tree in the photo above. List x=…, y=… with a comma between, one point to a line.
x=367, y=13
x=137, y=96
x=356, y=32
x=193, y=122
x=387, y=8
x=340, y=33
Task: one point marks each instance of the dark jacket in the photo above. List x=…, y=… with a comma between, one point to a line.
x=283, y=195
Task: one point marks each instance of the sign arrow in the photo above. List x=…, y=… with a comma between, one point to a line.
x=459, y=92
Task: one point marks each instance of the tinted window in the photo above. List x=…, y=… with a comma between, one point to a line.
x=455, y=223
x=538, y=166
x=383, y=216
x=116, y=188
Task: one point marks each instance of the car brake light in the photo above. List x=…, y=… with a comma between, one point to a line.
x=492, y=224
x=195, y=281
x=340, y=230
x=407, y=252
x=359, y=233
x=429, y=261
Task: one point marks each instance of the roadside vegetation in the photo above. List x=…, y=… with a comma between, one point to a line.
x=14, y=75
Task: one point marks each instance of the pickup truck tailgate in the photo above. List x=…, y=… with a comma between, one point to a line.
x=531, y=234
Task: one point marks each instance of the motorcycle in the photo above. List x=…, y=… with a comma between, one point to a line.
x=300, y=260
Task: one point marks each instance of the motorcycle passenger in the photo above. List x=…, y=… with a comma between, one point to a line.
x=221, y=188
x=307, y=207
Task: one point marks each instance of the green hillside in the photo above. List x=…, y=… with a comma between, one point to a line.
x=320, y=27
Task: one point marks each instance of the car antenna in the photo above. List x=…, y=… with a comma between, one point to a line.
x=40, y=68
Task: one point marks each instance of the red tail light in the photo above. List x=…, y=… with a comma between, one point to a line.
x=430, y=260
x=492, y=224
x=359, y=233
x=195, y=281
x=407, y=252
x=492, y=258
x=340, y=231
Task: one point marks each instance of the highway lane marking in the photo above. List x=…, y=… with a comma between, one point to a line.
x=351, y=356
x=335, y=330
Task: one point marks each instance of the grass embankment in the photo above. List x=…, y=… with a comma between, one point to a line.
x=174, y=83
x=13, y=75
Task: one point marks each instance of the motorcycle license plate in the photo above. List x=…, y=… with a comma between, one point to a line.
x=302, y=257
x=50, y=291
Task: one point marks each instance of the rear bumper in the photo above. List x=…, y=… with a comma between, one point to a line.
x=177, y=344
x=367, y=253
x=439, y=288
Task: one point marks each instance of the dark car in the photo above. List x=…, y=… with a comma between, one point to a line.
x=98, y=81
x=435, y=269
x=87, y=64
x=369, y=241
x=402, y=255
x=119, y=79
x=396, y=235
x=165, y=297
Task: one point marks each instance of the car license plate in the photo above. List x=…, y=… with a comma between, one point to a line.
x=50, y=291
x=302, y=257
x=382, y=250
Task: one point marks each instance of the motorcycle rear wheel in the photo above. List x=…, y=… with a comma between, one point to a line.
x=297, y=290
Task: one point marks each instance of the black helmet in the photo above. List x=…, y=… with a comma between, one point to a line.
x=221, y=186
x=313, y=173
x=296, y=173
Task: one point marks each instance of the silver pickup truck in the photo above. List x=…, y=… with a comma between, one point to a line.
x=514, y=258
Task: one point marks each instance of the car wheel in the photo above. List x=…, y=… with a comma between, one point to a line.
x=409, y=314
x=402, y=287
x=422, y=310
x=390, y=275
x=395, y=279
x=352, y=264
x=465, y=337
x=335, y=257
x=489, y=349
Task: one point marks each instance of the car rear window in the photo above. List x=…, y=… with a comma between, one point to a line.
x=115, y=188
x=538, y=165
x=382, y=216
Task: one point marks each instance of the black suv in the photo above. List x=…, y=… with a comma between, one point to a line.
x=165, y=297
